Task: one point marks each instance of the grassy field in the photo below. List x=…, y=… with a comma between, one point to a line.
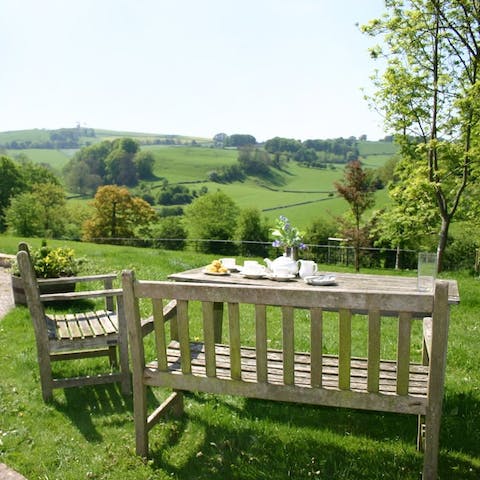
x=87, y=433
x=302, y=194
x=57, y=159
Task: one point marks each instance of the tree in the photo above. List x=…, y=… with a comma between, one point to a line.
x=254, y=161
x=357, y=190
x=144, y=161
x=24, y=216
x=240, y=140
x=430, y=95
x=11, y=183
x=253, y=232
x=211, y=217
x=117, y=214
x=39, y=213
x=120, y=168
x=170, y=234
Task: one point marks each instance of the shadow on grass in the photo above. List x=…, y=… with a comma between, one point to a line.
x=261, y=439
x=82, y=404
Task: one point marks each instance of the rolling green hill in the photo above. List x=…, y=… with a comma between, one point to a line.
x=298, y=192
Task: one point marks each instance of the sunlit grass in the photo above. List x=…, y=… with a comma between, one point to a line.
x=87, y=433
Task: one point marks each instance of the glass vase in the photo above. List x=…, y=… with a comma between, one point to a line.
x=291, y=252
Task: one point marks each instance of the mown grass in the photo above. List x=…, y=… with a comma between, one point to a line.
x=87, y=433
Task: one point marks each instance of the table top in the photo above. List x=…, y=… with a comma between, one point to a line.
x=343, y=281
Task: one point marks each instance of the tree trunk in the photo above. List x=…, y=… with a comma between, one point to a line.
x=442, y=241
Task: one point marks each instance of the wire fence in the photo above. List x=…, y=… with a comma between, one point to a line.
x=330, y=254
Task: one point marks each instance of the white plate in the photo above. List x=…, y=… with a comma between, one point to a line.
x=280, y=278
x=206, y=272
x=320, y=280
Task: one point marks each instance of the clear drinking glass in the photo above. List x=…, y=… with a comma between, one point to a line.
x=427, y=271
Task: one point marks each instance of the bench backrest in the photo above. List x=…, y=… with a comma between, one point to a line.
x=401, y=308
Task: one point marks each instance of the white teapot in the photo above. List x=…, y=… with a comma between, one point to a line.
x=281, y=265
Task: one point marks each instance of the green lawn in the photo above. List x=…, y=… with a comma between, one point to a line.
x=87, y=433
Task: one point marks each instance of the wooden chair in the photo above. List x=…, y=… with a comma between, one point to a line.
x=76, y=335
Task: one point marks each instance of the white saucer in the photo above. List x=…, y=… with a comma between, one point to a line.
x=253, y=276
x=320, y=280
x=280, y=278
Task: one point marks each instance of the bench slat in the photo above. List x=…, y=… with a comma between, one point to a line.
x=374, y=330
x=183, y=335
x=316, y=338
x=234, y=332
x=344, y=348
x=160, y=339
x=403, y=352
x=209, y=332
x=288, y=346
x=261, y=342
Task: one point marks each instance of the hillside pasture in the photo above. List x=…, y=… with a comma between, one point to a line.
x=301, y=193
x=298, y=192
x=188, y=164
x=56, y=159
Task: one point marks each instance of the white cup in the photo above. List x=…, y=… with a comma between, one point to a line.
x=228, y=262
x=252, y=267
x=282, y=271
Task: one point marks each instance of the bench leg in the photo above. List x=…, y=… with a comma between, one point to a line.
x=140, y=419
x=431, y=450
x=421, y=433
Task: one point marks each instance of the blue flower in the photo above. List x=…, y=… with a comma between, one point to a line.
x=286, y=235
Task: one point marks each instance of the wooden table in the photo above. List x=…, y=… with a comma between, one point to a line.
x=350, y=282
x=344, y=281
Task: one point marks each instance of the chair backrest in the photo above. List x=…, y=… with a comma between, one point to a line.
x=32, y=294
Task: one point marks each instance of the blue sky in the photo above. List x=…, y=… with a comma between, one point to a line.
x=291, y=68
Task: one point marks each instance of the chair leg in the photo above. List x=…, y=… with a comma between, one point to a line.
x=126, y=383
x=46, y=377
x=140, y=417
x=112, y=355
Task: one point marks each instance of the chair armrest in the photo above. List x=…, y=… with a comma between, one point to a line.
x=84, y=278
x=68, y=296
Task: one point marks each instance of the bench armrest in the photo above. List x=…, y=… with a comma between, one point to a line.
x=169, y=311
x=427, y=340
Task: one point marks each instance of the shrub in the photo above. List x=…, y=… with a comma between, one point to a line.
x=52, y=262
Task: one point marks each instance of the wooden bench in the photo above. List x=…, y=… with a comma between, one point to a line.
x=205, y=364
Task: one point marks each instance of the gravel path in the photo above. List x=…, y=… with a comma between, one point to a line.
x=6, y=297
x=6, y=303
